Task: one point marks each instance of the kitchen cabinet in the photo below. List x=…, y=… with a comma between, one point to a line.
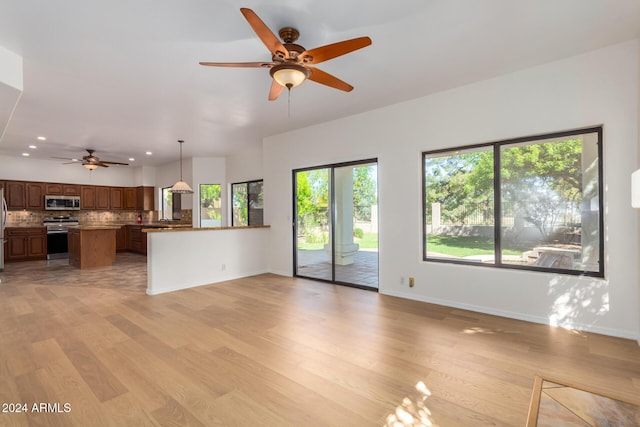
x=55, y=189
x=88, y=197
x=34, y=196
x=121, y=239
x=136, y=239
x=130, y=198
x=102, y=198
x=25, y=244
x=15, y=195
x=145, y=198
x=116, y=198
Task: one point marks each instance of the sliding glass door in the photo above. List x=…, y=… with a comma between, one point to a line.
x=336, y=228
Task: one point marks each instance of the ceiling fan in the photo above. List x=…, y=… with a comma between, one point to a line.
x=91, y=162
x=291, y=63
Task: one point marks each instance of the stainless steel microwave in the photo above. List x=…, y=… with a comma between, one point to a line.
x=62, y=203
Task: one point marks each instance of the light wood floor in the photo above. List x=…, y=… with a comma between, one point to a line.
x=277, y=351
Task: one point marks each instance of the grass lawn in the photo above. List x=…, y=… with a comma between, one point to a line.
x=462, y=246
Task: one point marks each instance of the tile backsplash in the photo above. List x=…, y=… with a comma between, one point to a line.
x=16, y=218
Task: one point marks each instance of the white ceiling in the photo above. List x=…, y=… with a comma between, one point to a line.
x=122, y=77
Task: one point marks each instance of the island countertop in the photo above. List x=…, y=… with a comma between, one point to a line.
x=95, y=227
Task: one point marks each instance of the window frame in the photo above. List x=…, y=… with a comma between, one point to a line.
x=497, y=203
x=246, y=184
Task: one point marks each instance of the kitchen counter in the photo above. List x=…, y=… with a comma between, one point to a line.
x=96, y=227
x=25, y=225
x=189, y=228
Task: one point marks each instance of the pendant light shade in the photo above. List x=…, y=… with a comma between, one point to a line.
x=181, y=187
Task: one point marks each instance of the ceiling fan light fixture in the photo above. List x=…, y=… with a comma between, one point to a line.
x=289, y=75
x=90, y=166
x=181, y=187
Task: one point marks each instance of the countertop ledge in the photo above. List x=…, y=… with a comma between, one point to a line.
x=95, y=227
x=170, y=229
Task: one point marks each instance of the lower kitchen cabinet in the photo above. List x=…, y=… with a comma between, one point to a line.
x=25, y=244
x=121, y=239
x=136, y=240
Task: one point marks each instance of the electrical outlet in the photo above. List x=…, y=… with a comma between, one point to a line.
x=411, y=282
x=402, y=280
x=224, y=267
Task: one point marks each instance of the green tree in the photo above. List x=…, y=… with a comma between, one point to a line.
x=365, y=193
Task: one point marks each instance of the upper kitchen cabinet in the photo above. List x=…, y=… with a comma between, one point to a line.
x=116, y=199
x=15, y=195
x=94, y=197
x=103, y=196
x=34, y=195
x=130, y=198
x=145, y=198
x=53, y=189
x=88, y=197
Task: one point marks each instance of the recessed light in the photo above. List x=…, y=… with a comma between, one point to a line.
x=148, y=153
x=25, y=154
x=42, y=138
x=131, y=159
x=33, y=147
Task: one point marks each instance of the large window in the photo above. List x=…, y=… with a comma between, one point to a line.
x=210, y=205
x=532, y=203
x=246, y=200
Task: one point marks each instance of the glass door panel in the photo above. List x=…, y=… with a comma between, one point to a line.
x=313, y=253
x=356, y=229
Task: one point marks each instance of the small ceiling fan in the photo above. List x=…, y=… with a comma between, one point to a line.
x=92, y=162
x=290, y=62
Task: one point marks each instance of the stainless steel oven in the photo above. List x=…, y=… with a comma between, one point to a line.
x=57, y=235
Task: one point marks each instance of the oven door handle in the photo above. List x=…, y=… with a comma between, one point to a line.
x=57, y=232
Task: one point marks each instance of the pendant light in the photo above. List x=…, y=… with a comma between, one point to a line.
x=181, y=187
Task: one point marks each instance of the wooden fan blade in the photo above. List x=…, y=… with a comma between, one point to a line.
x=101, y=164
x=319, y=76
x=264, y=33
x=330, y=51
x=239, y=64
x=275, y=91
x=113, y=163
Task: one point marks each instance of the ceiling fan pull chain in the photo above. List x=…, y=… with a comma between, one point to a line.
x=289, y=104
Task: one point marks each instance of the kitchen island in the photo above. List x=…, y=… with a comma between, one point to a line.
x=92, y=246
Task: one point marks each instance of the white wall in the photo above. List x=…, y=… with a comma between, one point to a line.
x=600, y=87
x=184, y=259
x=245, y=165
x=31, y=169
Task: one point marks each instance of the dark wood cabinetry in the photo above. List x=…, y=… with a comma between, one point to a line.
x=15, y=194
x=136, y=240
x=34, y=196
x=145, y=198
x=121, y=239
x=30, y=195
x=116, y=198
x=102, y=198
x=130, y=198
x=25, y=244
x=87, y=197
x=54, y=189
